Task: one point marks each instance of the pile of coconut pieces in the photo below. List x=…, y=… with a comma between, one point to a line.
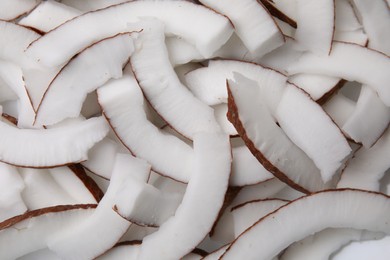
x=235, y=129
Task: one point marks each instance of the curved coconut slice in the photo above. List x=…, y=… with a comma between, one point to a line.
x=316, y=24
x=351, y=62
x=266, y=140
x=87, y=247
x=312, y=130
x=339, y=209
x=12, y=9
x=122, y=104
x=247, y=214
x=214, y=28
x=252, y=23
x=369, y=119
x=339, y=108
x=220, y=112
x=11, y=187
x=368, y=166
x=18, y=235
x=161, y=86
x=48, y=15
x=201, y=203
x=324, y=243
x=83, y=74
x=50, y=147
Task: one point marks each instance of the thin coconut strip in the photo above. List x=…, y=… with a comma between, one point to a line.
x=339, y=209
x=178, y=17
x=254, y=121
x=351, y=62
x=252, y=23
x=368, y=166
x=369, y=119
x=11, y=187
x=312, y=130
x=326, y=242
x=86, y=246
x=163, y=89
x=18, y=234
x=12, y=9
x=43, y=147
x=90, y=69
x=122, y=103
x=201, y=203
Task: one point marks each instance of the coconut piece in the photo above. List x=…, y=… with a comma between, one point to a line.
x=369, y=119
x=12, y=9
x=48, y=15
x=214, y=28
x=220, y=112
x=252, y=23
x=357, y=37
x=368, y=166
x=377, y=249
x=90, y=69
x=161, y=86
x=248, y=213
x=277, y=13
x=11, y=187
x=166, y=184
x=18, y=235
x=181, y=52
x=351, y=62
x=255, y=122
x=346, y=20
x=136, y=232
x=339, y=108
x=312, y=130
x=86, y=247
x=201, y=203
x=289, y=7
x=122, y=251
x=339, y=209
x=215, y=255
x=42, y=254
x=288, y=193
x=324, y=243
x=122, y=104
x=316, y=24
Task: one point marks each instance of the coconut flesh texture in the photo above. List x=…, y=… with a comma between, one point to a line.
x=155, y=129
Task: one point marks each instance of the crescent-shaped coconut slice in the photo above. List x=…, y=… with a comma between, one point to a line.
x=351, y=62
x=368, y=166
x=312, y=130
x=201, y=203
x=123, y=106
x=90, y=69
x=87, y=247
x=252, y=23
x=163, y=89
x=254, y=120
x=339, y=209
x=50, y=147
x=178, y=17
x=12, y=9
x=18, y=235
x=315, y=25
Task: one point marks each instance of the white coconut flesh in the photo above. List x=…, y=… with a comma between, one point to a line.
x=82, y=75
x=256, y=124
x=201, y=203
x=181, y=52
x=315, y=22
x=220, y=115
x=340, y=108
x=10, y=9
x=326, y=242
x=122, y=251
x=122, y=104
x=312, y=130
x=18, y=236
x=216, y=254
x=346, y=18
x=340, y=209
x=252, y=23
x=351, y=62
x=368, y=166
x=214, y=28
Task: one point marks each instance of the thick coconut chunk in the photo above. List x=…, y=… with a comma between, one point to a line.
x=202, y=201
x=163, y=89
x=83, y=74
x=50, y=147
x=12, y=9
x=208, y=34
x=334, y=208
x=351, y=62
x=252, y=23
x=312, y=130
